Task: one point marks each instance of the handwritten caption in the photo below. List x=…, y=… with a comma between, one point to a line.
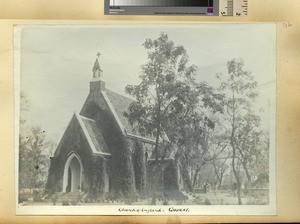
x=152, y=210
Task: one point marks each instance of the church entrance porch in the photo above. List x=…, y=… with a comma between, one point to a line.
x=72, y=174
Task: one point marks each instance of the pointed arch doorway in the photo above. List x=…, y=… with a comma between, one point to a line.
x=72, y=174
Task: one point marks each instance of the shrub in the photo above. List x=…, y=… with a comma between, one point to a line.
x=257, y=199
x=66, y=202
x=24, y=197
x=54, y=198
x=207, y=201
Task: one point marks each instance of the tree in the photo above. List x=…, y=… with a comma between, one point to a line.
x=248, y=138
x=33, y=160
x=258, y=163
x=23, y=138
x=238, y=87
x=24, y=107
x=33, y=151
x=165, y=89
x=220, y=167
x=37, y=166
x=191, y=131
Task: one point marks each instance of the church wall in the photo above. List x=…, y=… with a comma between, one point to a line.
x=120, y=166
x=97, y=181
x=139, y=164
x=73, y=141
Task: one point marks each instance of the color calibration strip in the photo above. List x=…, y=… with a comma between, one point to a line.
x=158, y=3
x=177, y=7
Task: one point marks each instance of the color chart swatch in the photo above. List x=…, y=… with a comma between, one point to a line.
x=168, y=3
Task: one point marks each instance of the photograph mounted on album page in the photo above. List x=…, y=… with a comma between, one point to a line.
x=145, y=119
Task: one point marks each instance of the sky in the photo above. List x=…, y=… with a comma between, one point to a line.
x=56, y=61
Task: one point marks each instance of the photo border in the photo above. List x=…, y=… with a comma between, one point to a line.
x=140, y=210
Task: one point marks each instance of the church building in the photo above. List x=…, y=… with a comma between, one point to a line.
x=101, y=155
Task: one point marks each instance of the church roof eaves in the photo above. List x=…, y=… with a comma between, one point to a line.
x=143, y=139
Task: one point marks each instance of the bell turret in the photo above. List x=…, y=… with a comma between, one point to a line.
x=97, y=83
x=97, y=71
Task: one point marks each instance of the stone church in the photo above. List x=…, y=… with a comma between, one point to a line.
x=101, y=155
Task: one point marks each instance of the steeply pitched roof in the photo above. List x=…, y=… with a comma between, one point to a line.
x=120, y=104
x=93, y=135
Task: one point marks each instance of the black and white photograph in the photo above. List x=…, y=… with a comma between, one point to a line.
x=145, y=119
